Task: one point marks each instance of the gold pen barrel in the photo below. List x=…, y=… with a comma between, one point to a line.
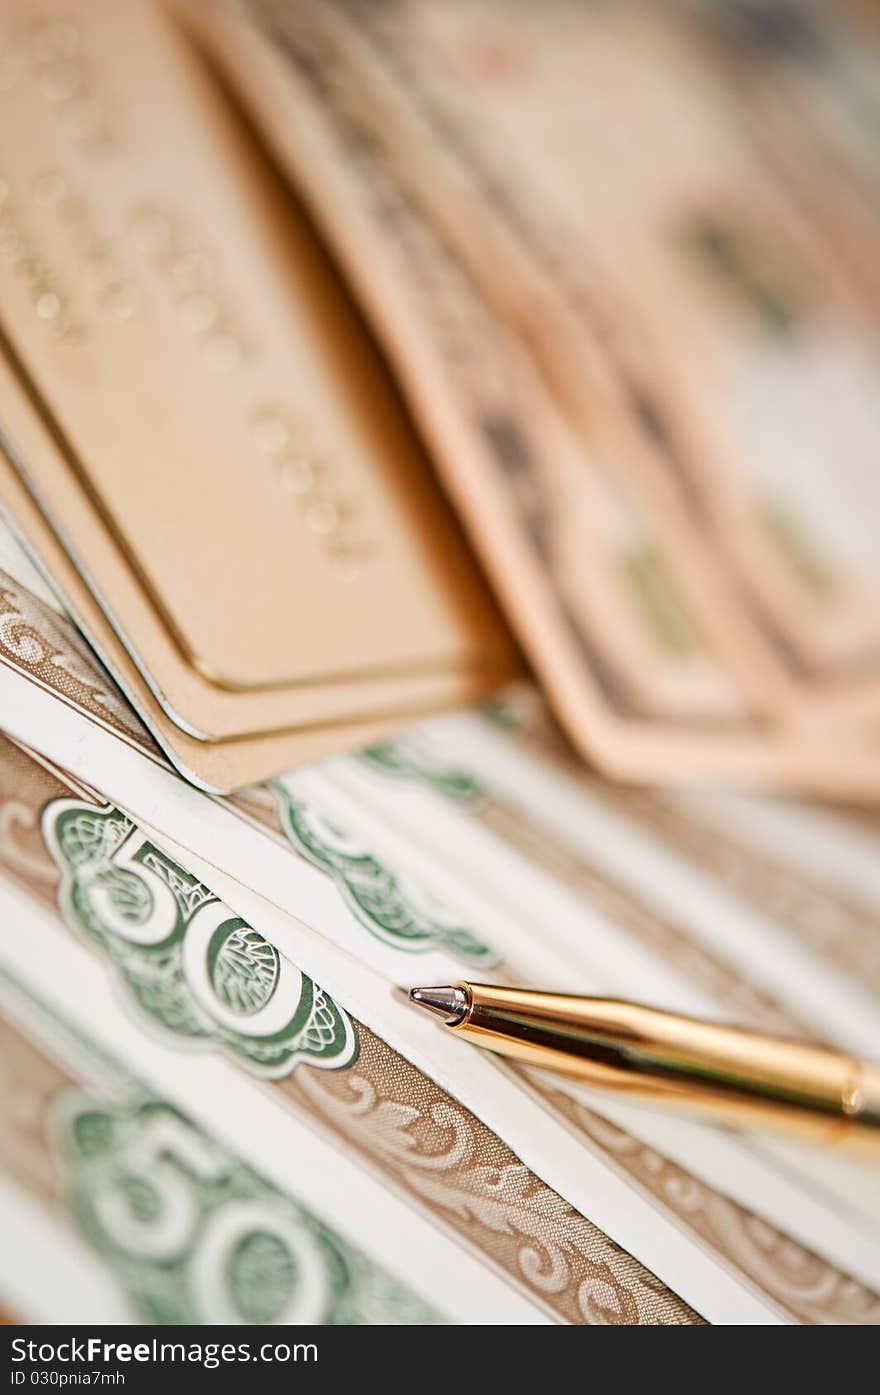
x=735, y=1076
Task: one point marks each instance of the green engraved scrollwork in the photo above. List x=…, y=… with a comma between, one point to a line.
x=244, y=969
x=382, y=902
x=408, y=760
x=194, y=1235
x=192, y=965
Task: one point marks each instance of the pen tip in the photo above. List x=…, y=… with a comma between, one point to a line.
x=449, y=1003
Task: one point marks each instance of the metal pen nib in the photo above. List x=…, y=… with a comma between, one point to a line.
x=449, y=1003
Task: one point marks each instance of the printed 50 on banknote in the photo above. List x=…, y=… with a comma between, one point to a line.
x=336, y=877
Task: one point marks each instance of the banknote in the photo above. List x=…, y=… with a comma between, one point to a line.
x=117, y=1205
x=417, y=1161
x=722, y=928
x=810, y=84
x=732, y=1183
x=539, y=823
x=378, y=898
x=210, y=1007
x=528, y=489
x=218, y=1104
x=696, y=289
x=628, y=654
x=341, y=154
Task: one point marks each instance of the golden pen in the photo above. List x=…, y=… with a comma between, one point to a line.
x=728, y=1074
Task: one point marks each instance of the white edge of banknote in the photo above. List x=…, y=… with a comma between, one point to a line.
x=160, y=799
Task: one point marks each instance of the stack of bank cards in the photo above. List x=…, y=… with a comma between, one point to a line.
x=201, y=443
x=349, y=350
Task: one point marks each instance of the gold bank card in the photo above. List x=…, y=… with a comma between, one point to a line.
x=222, y=457
x=218, y=766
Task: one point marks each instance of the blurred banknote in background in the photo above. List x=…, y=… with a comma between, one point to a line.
x=585, y=237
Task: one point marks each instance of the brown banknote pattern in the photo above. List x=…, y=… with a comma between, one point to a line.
x=50, y=650
x=88, y=1143
x=495, y=1204
x=29, y=1080
x=23, y=855
x=699, y=966
x=446, y=1159
x=623, y=909
x=801, y=1282
x=833, y=924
